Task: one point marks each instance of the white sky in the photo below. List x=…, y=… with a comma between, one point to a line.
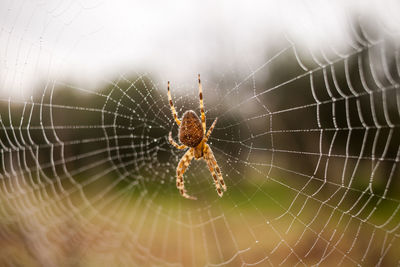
x=86, y=41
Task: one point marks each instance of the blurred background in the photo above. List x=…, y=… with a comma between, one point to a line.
x=308, y=104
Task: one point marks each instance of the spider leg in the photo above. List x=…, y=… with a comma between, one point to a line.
x=172, y=107
x=217, y=185
x=203, y=115
x=174, y=143
x=212, y=165
x=210, y=130
x=180, y=170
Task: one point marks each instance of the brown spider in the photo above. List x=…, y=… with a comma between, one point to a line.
x=192, y=133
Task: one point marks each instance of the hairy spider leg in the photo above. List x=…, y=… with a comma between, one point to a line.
x=214, y=175
x=174, y=143
x=203, y=115
x=211, y=161
x=210, y=130
x=172, y=107
x=180, y=170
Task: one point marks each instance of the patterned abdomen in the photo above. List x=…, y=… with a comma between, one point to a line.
x=190, y=131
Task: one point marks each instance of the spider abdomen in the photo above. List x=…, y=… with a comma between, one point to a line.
x=190, y=130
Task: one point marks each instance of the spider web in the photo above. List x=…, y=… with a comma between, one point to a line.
x=307, y=140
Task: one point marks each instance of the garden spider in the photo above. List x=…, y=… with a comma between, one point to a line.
x=192, y=133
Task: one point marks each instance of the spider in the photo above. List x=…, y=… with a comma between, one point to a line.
x=192, y=134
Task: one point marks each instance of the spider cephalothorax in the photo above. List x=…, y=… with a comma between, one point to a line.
x=192, y=134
